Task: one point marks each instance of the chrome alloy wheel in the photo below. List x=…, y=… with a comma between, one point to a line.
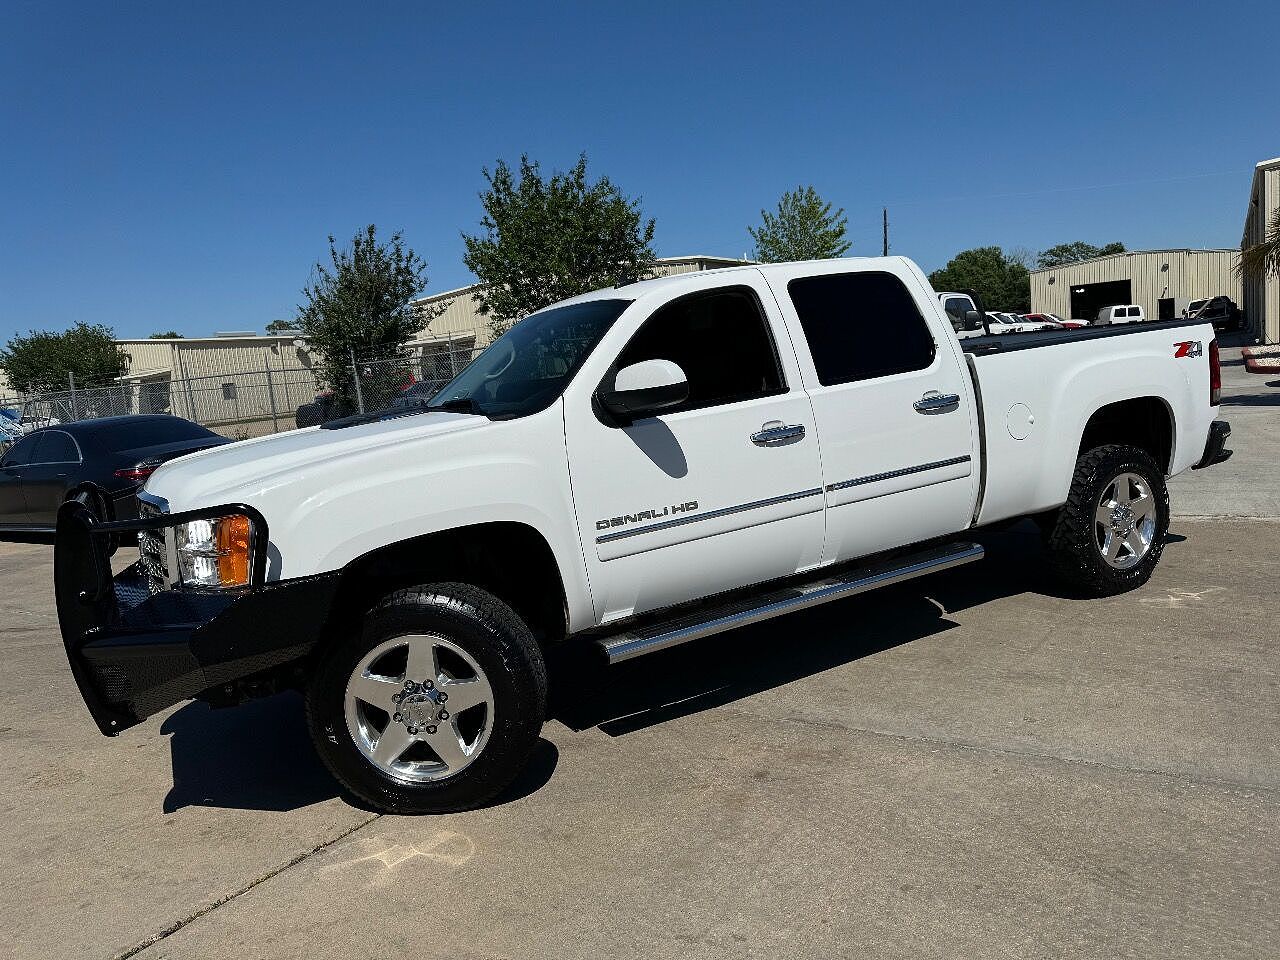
x=419, y=707
x=1125, y=521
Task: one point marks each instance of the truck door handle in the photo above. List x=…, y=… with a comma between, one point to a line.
x=935, y=402
x=775, y=433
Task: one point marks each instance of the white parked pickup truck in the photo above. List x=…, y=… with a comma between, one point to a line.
x=635, y=468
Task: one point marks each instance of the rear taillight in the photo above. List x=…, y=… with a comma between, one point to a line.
x=1215, y=375
x=136, y=474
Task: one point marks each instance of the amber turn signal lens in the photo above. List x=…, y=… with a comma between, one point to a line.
x=233, y=550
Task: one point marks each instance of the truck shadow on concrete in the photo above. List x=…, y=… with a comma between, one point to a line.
x=258, y=756
x=744, y=663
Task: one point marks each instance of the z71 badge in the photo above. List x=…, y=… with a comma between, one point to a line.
x=653, y=513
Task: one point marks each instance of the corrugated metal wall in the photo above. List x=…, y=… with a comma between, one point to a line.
x=1154, y=274
x=1262, y=297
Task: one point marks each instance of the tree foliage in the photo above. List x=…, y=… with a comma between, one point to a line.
x=1262, y=258
x=804, y=227
x=41, y=361
x=548, y=239
x=361, y=302
x=282, y=326
x=167, y=335
x=1002, y=282
x=1065, y=253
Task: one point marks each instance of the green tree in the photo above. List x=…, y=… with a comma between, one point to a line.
x=803, y=228
x=1065, y=253
x=282, y=326
x=1002, y=282
x=361, y=302
x=167, y=335
x=1261, y=258
x=41, y=361
x=548, y=239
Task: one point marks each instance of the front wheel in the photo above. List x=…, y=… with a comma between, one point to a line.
x=1109, y=535
x=435, y=705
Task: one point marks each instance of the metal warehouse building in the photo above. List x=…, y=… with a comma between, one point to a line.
x=1162, y=281
x=1261, y=301
x=1165, y=281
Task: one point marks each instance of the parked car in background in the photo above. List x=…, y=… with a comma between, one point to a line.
x=1221, y=311
x=328, y=405
x=1051, y=320
x=1121, y=313
x=10, y=431
x=106, y=459
x=1002, y=322
x=963, y=314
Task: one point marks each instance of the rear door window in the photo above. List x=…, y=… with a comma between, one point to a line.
x=56, y=447
x=1135, y=311
x=861, y=325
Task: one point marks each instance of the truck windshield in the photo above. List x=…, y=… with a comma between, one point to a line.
x=528, y=367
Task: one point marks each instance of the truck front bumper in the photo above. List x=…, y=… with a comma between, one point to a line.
x=134, y=653
x=1215, y=448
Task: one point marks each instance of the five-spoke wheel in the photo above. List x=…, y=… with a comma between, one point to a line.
x=1125, y=521
x=419, y=707
x=433, y=704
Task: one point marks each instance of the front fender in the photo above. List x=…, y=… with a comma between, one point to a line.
x=517, y=473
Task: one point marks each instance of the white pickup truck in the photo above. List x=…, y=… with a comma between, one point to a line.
x=635, y=468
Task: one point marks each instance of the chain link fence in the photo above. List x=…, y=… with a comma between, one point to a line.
x=247, y=403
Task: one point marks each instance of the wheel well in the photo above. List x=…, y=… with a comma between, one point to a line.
x=510, y=560
x=1143, y=422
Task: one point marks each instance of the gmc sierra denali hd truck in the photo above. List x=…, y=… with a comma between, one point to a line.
x=636, y=468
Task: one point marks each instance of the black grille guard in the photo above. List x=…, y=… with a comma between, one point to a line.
x=133, y=653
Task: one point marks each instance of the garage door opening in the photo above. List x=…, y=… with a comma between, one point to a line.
x=1087, y=299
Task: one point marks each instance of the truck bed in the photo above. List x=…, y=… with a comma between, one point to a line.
x=1034, y=409
x=1003, y=343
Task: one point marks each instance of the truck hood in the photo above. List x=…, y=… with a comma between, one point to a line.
x=242, y=471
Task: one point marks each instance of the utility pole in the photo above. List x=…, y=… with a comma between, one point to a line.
x=886, y=231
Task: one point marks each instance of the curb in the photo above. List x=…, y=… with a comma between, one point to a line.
x=1262, y=364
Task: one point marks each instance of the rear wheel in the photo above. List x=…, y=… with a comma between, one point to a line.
x=435, y=705
x=1109, y=535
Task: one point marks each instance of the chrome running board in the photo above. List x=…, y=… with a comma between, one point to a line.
x=733, y=614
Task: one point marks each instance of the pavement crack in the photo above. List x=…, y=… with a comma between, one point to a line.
x=1200, y=781
x=210, y=907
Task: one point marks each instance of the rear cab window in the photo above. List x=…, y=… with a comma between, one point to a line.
x=861, y=326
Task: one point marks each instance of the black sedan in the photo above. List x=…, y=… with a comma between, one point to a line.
x=108, y=458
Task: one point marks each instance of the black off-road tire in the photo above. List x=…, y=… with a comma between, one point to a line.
x=492, y=633
x=1073, y=547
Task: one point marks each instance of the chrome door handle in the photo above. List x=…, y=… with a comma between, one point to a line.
x=935, y=402
x=775, y=433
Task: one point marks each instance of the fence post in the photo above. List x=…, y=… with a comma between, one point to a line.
x=355, y=375
x=271, y=393
x=191, y=400
x=71, y=379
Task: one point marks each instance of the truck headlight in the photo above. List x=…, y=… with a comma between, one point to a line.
x=214, y=552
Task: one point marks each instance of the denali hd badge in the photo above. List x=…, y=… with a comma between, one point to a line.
x=651, y=514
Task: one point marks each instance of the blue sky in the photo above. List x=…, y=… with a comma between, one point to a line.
x=180, y=166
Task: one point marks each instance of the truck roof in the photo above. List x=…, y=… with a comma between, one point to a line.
x=643, y=288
